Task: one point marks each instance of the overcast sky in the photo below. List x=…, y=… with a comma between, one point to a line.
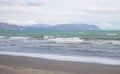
x=103, y=13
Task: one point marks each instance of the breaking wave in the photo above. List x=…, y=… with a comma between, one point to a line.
x=111, y=34
x=66, y=40
x=18, y=38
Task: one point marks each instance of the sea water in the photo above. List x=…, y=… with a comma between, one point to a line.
x=95, y=46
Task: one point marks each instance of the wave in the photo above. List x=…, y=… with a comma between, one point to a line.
x=48, y=37
x=65, y=58
x=104, y=42
x=1, y=37
x=66, y=40
x=117, y=43
x=18, y=38
x=111, y=34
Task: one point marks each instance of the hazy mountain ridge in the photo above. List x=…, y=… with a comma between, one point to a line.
x=6, y=26
x=37, y=26
x=74, y=27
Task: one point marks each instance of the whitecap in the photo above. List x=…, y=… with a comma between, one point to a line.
x=1, y=37
x=67, y=40
x=48, y=37
x=111, y=34
x=18, y=38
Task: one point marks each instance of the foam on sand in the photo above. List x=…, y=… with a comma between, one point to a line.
x=65, y=58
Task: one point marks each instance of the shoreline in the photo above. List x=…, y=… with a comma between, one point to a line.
x=64, y=58
x=28, y=65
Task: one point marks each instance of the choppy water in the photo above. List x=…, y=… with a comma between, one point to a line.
x=99, y=46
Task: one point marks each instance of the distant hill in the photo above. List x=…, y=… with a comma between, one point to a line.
x=74, y=27
x=6, y=26
x=37, y=26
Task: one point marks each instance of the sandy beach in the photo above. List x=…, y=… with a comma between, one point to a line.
x=27, y=65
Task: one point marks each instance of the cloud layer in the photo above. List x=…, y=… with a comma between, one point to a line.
x=61, y=11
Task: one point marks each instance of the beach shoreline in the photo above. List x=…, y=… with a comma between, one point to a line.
x=28, y=65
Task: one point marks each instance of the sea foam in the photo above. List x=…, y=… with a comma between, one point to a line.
x=18, y=38
x=1, y=37
x=66, y=40
x=111, y=34
x=65, y=58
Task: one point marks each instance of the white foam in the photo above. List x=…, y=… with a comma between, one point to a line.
x=1, y=37
x=48, y=37
x=111, y=34
x=64, y=58
x=67, y=40
x=103, y=42
x=115, y=42
x=18, y=38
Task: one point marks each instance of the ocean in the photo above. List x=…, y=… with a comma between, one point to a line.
x=94, y=46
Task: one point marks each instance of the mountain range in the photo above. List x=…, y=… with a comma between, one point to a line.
x=6, y=26
x=74, y=27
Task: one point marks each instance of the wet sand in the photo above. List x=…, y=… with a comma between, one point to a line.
x=27, y=65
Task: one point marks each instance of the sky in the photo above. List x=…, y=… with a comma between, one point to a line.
x=103, y=13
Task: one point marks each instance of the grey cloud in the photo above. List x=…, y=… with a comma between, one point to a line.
x=20, y=2
x=6, y=3
x=33, y=4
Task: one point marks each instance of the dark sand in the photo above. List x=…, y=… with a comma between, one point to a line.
x=27, y=65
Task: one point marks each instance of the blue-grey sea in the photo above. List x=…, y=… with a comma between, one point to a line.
x=95, y=46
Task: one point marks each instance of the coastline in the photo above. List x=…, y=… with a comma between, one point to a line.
x=28, y=65
x=68, y=58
